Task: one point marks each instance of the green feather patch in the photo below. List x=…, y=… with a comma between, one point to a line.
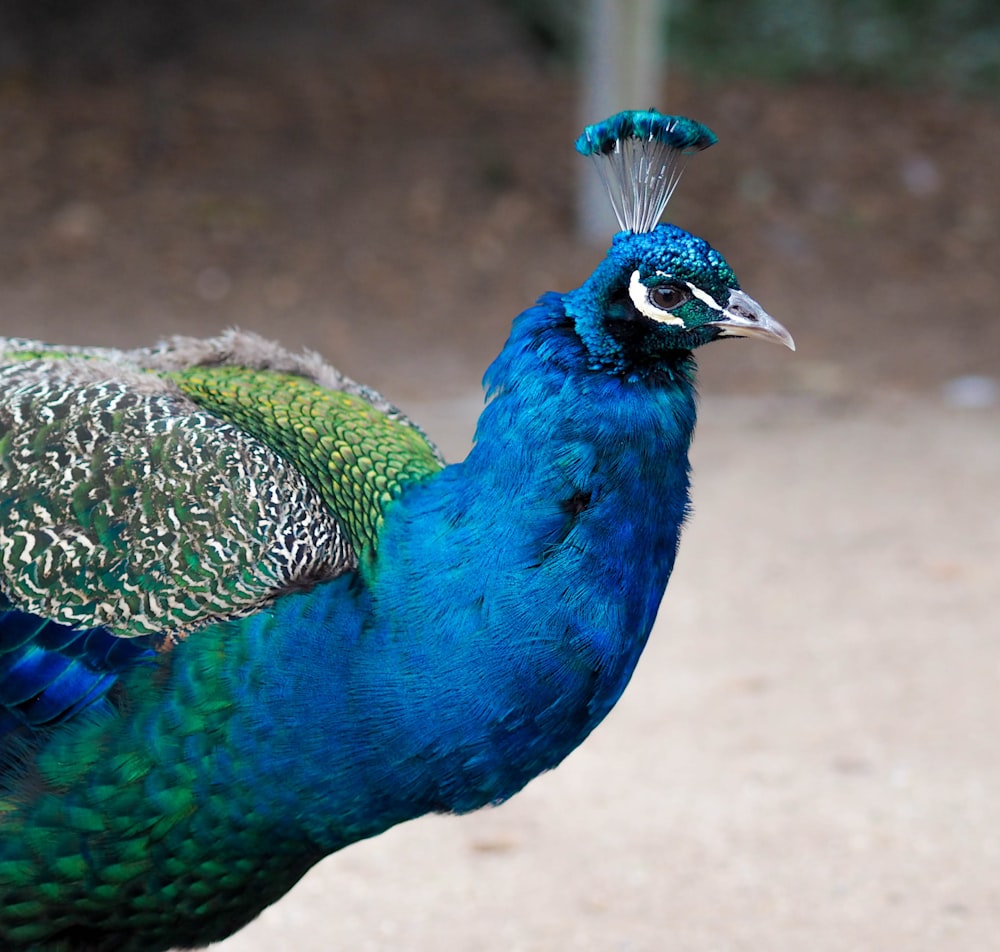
x=355, y=456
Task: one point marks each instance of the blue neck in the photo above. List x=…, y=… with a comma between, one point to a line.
x=512, y=593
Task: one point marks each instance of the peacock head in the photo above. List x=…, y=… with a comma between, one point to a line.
x=660, y=289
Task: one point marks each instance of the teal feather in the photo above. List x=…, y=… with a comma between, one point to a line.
x=675, y=132
x=433, y=637
x=640, y=156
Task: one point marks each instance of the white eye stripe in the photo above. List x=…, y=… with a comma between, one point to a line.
x=639, y=294
x=704, y=298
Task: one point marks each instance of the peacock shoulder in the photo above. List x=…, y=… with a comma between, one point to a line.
x=153, y=491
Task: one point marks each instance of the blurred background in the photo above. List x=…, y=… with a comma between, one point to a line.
x=389, y=178
x=807, y=757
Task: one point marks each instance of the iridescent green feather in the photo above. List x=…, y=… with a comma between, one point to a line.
x=156, y=490
x=356, y=457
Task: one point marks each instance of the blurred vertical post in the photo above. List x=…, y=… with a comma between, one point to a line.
x=622, y=65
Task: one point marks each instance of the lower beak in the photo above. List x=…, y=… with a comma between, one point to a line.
x=744, y=317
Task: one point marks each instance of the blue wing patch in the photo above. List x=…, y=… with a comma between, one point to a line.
x=49, y=671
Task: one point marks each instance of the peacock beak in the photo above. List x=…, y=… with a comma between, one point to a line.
x=744, y=317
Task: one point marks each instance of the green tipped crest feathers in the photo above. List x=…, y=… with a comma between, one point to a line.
x=640, y=157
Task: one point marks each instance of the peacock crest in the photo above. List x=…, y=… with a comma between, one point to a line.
x=640, y=156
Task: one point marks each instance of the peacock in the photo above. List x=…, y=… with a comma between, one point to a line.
x=249, y=616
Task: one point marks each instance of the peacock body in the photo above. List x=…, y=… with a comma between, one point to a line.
x=248, y=616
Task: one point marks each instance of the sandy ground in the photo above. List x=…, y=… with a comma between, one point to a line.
x=807, y=755
x=807, y=758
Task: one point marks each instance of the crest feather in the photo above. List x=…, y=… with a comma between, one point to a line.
x=640, y=155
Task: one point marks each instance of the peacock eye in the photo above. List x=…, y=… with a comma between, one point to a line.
x=669, y=296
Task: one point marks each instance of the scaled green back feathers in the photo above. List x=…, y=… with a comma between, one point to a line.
x=353, y=455
x=176, y=485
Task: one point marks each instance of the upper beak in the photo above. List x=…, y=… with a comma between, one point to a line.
x=744, y=317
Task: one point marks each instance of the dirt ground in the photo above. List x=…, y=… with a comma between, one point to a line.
x=807, y=756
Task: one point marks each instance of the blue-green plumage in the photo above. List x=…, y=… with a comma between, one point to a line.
x=676, y=132
x=462, y=634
